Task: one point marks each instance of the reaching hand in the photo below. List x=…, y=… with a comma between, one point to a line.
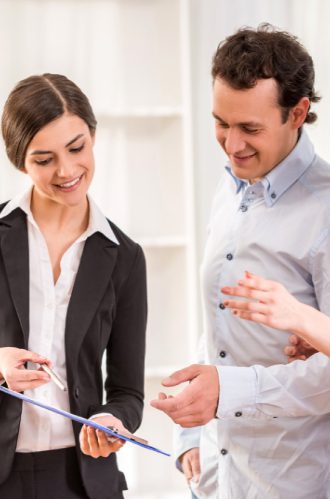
x=97, y=443
x=268, y=303
x=12, y=369
x=197, y=403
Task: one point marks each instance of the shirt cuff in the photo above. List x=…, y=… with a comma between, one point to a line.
x=238, y=392
x=100, y=414
x=185, y=439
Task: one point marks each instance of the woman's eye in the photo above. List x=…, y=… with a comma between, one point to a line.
x=43, y=162
x=77, y=149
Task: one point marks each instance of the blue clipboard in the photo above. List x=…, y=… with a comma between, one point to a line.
x=79, y=419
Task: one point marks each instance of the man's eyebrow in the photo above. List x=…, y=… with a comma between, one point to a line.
x=217, y=117
x=40, y=151
x=242, y=123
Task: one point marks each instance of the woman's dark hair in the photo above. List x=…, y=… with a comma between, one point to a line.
x=35, y=102
x=253, y=54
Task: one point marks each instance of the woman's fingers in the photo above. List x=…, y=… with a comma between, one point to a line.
x=95, y=443
x=249, y=306
x=12, y=368
x=260, y=318
x=245, y=292
x=25, y=379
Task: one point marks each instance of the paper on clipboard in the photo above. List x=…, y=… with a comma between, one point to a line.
x=81, y=420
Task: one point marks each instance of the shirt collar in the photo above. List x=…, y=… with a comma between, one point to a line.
x=97, y=221
x=278, y=180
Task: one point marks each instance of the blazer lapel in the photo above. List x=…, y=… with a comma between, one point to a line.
x=15, y=251
x=93, y=276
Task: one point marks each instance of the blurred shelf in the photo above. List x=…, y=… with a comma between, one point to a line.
x=138, y=113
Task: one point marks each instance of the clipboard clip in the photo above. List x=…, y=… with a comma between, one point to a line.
x=126, y=434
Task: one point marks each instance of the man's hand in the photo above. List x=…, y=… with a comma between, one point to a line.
x=197, y=403
x=191, y=465
x=96, y=443
x=298, y=349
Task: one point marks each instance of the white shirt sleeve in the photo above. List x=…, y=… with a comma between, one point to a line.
x=301, y=388
x=188, y=438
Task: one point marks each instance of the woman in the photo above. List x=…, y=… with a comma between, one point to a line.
x=72, y=287
x=269, y=303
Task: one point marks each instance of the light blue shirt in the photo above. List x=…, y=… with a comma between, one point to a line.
x=279, y=228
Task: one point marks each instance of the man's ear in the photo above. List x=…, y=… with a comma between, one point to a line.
x=299, y=112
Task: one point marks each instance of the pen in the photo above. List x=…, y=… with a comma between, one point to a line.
x=55, y=377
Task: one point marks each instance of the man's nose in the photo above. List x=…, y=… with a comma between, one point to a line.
x=234, y=142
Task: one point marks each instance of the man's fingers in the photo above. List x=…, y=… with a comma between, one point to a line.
x=294, y=339
x=186, y=374
x=290, y=351
x=172, y=405
x=195, y=464
x=187, y=469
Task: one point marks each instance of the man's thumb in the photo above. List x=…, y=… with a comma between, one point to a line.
x=186, y=374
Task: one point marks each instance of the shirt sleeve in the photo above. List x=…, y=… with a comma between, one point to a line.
x=301, y=388
x=188, y=438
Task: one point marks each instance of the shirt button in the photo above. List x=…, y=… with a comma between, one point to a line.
x=273, y=195
x=238, y=414
x=244, y=207
x=222, y=354
x=224, y=452
x=76, y=392
x=221, y=305
x=229, y=256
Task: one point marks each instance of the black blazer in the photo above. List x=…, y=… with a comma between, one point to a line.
x=107, y=311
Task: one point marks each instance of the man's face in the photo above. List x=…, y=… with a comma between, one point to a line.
x=249, y=127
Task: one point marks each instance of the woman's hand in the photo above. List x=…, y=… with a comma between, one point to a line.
x=269, y=303
x=12, y=369
x=96, y=443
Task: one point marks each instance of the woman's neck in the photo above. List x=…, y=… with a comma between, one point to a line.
x=51, y=216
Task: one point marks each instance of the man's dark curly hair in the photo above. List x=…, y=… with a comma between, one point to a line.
x=266, y=52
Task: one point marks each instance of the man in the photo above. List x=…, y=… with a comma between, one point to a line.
x=255, y=426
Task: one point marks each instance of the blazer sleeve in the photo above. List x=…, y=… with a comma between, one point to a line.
x=124, y=383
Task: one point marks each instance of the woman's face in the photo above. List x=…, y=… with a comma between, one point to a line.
x=60, y=161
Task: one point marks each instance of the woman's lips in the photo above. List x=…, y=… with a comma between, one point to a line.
x=71, y=185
